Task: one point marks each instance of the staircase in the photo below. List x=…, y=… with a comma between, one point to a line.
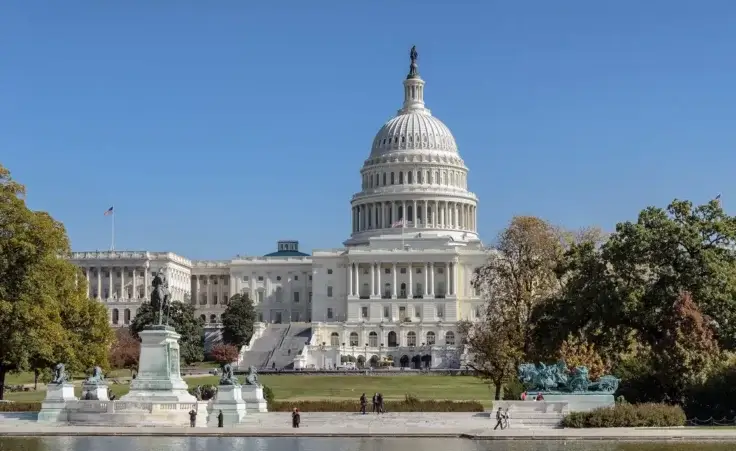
x=294, y=339
x=263, y=347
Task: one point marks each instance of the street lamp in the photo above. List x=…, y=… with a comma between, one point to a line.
x=380, y=347
x=365, y=358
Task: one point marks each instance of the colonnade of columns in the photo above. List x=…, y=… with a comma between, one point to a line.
x=390, y=282
x=415, y=213
x=121, y=291
x=214, y=293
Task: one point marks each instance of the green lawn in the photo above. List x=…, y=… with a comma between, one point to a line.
x=308, y=387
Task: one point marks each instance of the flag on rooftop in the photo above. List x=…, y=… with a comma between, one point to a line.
x=108, y=212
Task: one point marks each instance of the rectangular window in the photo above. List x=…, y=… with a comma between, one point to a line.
x=387, y=271
x=260, y=297
x=260, y=317
x=364, y=312
x=329, y=271
x=310, y=296
x=329, y=292
x=260, y=278
x=440, y=311
x=245, y=278
x=296, y=277
x=419, y=293
x=329, y=313
x=403, y=271
x=296, y=297
x=224, y=299
x=402, y=313
x=386, y=311
x=417, y=311
x=214, y=281
x=214, y=298
x=419, y=270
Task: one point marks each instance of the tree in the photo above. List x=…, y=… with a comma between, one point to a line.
x=686, y=352
x=183, y=319
x=224, y=353
x=45, y=316
x=520, y=274
x=576, y=352
x=493, y=349
x=125, y=351
x=237, y=321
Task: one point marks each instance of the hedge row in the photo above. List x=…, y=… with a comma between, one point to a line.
x=627, y=415
x=389, y=406
x=20, y=406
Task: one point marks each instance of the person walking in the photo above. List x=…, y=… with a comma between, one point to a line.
x=499, y=419
x=375, y=403
x=220, y=420
x=380, y=403
x=363, y=403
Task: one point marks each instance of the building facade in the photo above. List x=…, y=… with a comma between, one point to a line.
x=396, y=289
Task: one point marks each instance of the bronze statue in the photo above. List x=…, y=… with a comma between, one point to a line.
x=252, y=377
x=96, y=378
x=228, y=378
x=413, y=68
x=60, y=376
x=160, y=297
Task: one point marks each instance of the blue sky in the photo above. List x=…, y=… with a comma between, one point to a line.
x=217, y=128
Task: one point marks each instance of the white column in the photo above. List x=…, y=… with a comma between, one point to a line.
x=135, y=283
x=109, y=282
x=426, y=280
x=457, y=215
x=380, y=280
x=99, y=282
x=451, y=274
x=414, y=212
x=146, y=281
x=441, y=211
x=209, y=291
x=373, y=279
x=393, y=211
x=403, y=211
x=122, y=283
x=350, y=279
x=431, y=279
x=410, y=291
x=393, y=287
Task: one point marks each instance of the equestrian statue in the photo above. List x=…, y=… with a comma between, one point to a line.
x=161, y=298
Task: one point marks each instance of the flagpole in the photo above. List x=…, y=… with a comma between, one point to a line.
x=112, y=231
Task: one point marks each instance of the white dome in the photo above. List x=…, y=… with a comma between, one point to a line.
x=415, y=129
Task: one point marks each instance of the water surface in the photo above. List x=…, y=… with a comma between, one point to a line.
x=329, y=444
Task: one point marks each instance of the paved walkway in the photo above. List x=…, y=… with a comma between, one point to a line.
x=467, y=425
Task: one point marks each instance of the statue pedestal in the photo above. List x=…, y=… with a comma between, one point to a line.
x=53, y=408
x=581, y=402
x=229, y=400
x=159, y=376
x=254, y=400
x=96, y=392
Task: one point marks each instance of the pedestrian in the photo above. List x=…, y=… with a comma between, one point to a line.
x=192, y=418
x=295, y=418
x=523, y=396
x=375, y=403
x=380, y=403
x=363, y=402
x=540, y=397
x=220, y=419
x=499, y=419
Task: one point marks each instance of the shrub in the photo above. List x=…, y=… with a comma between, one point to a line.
x=20, y=406
x=268, y=394
x=512, y=390
x=409, y=404
x=627, y=415
x=208, y=391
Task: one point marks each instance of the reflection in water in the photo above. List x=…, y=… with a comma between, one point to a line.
x=328, y=444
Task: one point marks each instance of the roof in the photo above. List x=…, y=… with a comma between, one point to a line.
x=287, y=254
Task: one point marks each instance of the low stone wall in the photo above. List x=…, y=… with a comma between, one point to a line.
x=363, y=372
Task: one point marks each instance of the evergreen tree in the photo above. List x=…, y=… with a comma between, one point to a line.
x=237, y=321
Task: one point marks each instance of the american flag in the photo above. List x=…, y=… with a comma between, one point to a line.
x=108, y=212
x=399, y=223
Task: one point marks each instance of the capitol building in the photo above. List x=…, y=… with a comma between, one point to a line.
x=392, y=295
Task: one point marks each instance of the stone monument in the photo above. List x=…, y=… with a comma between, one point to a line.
x=564, y=390
x=59, y=392
x=94, y=388
x=228, y=400
x=557, y=382
x=159, y=375
x=253, y=393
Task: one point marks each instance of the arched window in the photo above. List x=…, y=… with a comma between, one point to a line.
x=353, y=339
x=203, y=318
x=430, y=338
x=126, y=316
x=335, y=339
x=401, y=178
x=392, y=339
x=115, y=316
x=450, y=338
x=392, y=178
x=384, y=179
x=213, y=319
x=411, y=338
x=409, y=177
x=373, y=339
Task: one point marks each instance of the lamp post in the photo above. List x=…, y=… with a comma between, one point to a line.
x=380, y=348
x=365, y=358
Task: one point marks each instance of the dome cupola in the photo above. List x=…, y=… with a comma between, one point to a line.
x=414, y=177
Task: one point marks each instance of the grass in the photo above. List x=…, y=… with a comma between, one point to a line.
x=319, y=387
